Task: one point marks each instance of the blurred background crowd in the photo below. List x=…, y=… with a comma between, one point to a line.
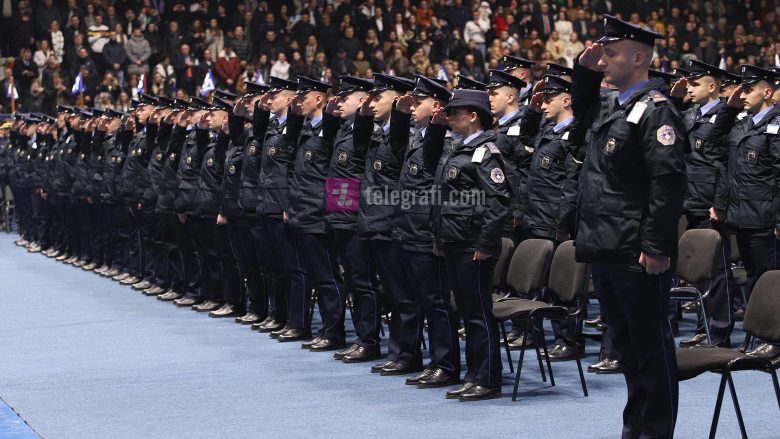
x=168, y=47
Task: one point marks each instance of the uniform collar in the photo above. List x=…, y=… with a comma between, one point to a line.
x=472, y=137
x=507, y=117
x=561, y=125
x=283, y=119
x=316, y=121
x=423, y=130
x=707, y=107
x=386, y=127
x=760, y=115
x=626, y=95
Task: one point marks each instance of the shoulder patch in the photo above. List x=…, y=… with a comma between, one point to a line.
x=497, y=175
x=657, y=96
x=493, y=148
x=666, y=135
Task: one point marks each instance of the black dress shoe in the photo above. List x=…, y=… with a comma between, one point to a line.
x=142, y=285
x=439, y=378
x=555, y=348
x=739, y=315
x=480, y=393
x=327, y=345
x=273, y=326
x=153, y=291
x=248, y=318
x=726, y=344
x=519, y=342
x=207, y=306
x=512, y=336
x=610, y=366
x=277, y=332
x=294, y=335
x=258, y=325
x=564, y=353
x=399, y=368
x=168, y=296
x=693, y=341
x=227, y=310
x=455, y=394
x=378, y=367
x=592, y=323
x=413, y=381
x=362, y=354
x=690, y=307
x=310, y=343
x=184, y=302
x=341, y=354
x=765, y=350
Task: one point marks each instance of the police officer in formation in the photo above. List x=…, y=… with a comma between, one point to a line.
x=390, y=199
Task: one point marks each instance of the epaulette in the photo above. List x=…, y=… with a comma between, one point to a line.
x=657, y=96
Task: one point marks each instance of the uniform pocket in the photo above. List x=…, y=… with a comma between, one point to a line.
x=701, y=184
x=755, y=206
x=618, y=225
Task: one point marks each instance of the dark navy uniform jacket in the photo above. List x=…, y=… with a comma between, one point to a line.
x=134, y=178
x=475, y=197
x=169, y=179
x=212, y=168
x=552, y=177
x=633, y=181
x=229, y=205
x=252, y=157
x=413, y=220
x=707, y=158
x=754, y=174
x=195, y=145
x=347, y=161
x=275, y=170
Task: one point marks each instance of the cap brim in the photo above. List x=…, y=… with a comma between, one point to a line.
x=608, y=39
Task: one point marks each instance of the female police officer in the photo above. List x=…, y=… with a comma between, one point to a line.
x=467, y=231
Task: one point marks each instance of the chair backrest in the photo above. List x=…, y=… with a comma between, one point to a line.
x=529, y=265
x=682, y=226
x=764, y=307
x=499, y=275
x=696, y=253
x=568, y=278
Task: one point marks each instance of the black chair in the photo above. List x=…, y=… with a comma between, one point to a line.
x=568, y=280
x=737, y=268
x=502, y=265
x=696, y=254
x=760, y=322
x=526, y=275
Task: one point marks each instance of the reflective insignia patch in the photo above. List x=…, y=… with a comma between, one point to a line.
x=413, y=169
x=752, y=156
x=452, y=173
x=497, y=175
x=232, y=169
x=529, y=149
x=82, y=156
x=189, y=160
x=609, y=149
x=61, y=151
x=665, y=135
x=272, y=151
x=698, y=145
x=100, y=158
x=493, y=148
x=70, y=150
x=546, y=162
x=173, y=156
x=119, y=159
x=307, y=155
x=252, y=150
x=210, y=162
x=378, y=165
x=159, y=156
x=113, y=159
x=343, y=157
x=513, y=131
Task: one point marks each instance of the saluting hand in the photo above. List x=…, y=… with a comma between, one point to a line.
x=333, y=106
x=365, y=107
x=735, y=100
x=654, y=264
x=591, y=56
x=680, y=88
x=440, y=117
x=404, y=104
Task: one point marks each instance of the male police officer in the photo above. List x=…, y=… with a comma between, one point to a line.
x=631, y=194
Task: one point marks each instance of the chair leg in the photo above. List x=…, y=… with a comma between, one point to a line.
x=538, y=340
x=547, y=358
x=777, y=387
x=582, y=376
x=519, y=367
x=705, y=320
x=718, y=405
x=506, y=347
x=736, y=407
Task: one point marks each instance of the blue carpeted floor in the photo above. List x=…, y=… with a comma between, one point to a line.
x=83, y=357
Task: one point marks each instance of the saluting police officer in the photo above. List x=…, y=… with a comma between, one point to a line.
x=467, y=227
x=753, y=176
x=708, y=122
x=412, y=231
x=632, y=187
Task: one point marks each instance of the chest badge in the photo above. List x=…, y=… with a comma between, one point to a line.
x=159, y=156
x=100, y=158
x=252, y=150
x=378, y=165
x=546, y=162
x=189, y=160
x=173, y=156
x=307, y=155
x=272, y=151
x=665, y=135
x=82, y=156
x=497, y=175
x=210, y=162
x=113, y=159
x=452, y=173
x=752, y=156
x=343, y=157
x=414, y=169
x=698, y=145
x=232, y=169
x=609, y=149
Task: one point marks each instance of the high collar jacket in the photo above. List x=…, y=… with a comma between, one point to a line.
x=307, y=191
x=347, y=161
x=169, y=178
x=276, y=169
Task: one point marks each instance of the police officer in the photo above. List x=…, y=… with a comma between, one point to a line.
x=412, y=232
x=384, y=158
x=631, y=191
x=520, y=68
x=345, y=172
x=271, y=232
x=708, y=122
x=552, y=182
x=475, y=201
x=753, y=173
